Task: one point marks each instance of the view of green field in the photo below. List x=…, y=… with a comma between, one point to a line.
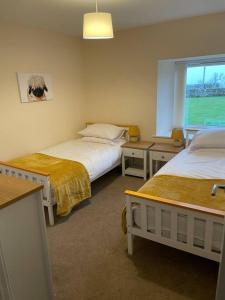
x=206, y=111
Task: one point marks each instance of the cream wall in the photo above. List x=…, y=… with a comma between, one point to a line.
x=111, y=81
x=120, y=74
x=29, y=127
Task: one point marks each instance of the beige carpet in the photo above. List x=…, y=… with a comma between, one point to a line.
x=89, y=257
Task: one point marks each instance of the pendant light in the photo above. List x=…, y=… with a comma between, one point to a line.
x=97, y=25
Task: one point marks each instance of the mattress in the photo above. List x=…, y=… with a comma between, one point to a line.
x=96, y=157
x=204, y=164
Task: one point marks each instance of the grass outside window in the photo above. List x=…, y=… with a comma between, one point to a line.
x=205, y=111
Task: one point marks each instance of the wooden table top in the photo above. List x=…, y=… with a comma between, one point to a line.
x=166, y=147
x=13, y=189
x=142, y=145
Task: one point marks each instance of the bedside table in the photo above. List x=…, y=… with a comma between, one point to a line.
x=161, y=152
x=135, y=150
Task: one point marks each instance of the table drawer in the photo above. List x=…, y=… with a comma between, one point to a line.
x=162, y=156
x=133, y=152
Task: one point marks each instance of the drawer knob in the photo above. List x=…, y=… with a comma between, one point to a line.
x=132, y=153
x=163, y=156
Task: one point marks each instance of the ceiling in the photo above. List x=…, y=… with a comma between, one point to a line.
x=66, y=15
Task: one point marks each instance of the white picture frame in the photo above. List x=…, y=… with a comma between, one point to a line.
x=35, y=87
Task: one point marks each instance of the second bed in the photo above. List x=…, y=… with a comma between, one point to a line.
x=67, y=169
x=176, y=207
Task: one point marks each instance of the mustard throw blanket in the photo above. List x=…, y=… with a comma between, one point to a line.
x=184, y=189
x=188, y=190
x=69, y=179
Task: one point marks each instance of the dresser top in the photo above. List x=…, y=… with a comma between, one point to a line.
x=13, y=189
x=142, y=145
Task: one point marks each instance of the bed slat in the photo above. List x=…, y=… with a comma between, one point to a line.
x=208, y=235
x=173, y=229
x=158, y=220
x=144, y=217
x=190, y=230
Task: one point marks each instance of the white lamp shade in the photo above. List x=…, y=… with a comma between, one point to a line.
x=97, y=25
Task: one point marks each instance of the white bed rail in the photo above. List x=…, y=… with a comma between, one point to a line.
x=47, y=200
x=175, y=226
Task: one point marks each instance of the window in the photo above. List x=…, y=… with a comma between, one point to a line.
x=190, y=93
x=205, y=96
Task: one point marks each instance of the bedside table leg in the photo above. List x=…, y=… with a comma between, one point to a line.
x=156, y=166
x=145, y=164
x=150, y=164
x=123, y=165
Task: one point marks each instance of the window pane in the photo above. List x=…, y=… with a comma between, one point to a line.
x=205, y=96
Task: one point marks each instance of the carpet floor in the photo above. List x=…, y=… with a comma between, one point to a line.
x=88, y=253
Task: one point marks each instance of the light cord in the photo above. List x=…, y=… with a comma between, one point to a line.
x=96, y=5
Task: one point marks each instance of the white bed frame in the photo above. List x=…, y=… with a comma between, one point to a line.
x=174, y=208
x=192, y=212
x=48, y=199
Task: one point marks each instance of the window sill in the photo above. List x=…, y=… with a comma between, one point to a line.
x=196, y=128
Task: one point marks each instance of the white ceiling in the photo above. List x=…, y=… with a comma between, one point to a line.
x=66, y=15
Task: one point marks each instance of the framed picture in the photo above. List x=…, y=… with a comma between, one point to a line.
x=35, y=87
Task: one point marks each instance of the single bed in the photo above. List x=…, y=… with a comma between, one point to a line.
x=176, y=208
x=97, y=159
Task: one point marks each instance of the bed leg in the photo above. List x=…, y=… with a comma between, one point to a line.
x=51, y=215
x=130, y=239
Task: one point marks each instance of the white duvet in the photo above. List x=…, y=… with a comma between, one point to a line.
x=97, y=158
x=203, y=163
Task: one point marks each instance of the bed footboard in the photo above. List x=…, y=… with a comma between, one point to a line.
x=190, y=228
x=41, y=177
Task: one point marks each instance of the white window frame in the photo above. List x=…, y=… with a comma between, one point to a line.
x=171, y=84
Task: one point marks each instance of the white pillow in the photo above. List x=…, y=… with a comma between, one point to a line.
x=104, y=131
x=93, y=139
x=210, y=138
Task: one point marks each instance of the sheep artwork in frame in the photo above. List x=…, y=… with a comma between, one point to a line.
x=35, y=87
